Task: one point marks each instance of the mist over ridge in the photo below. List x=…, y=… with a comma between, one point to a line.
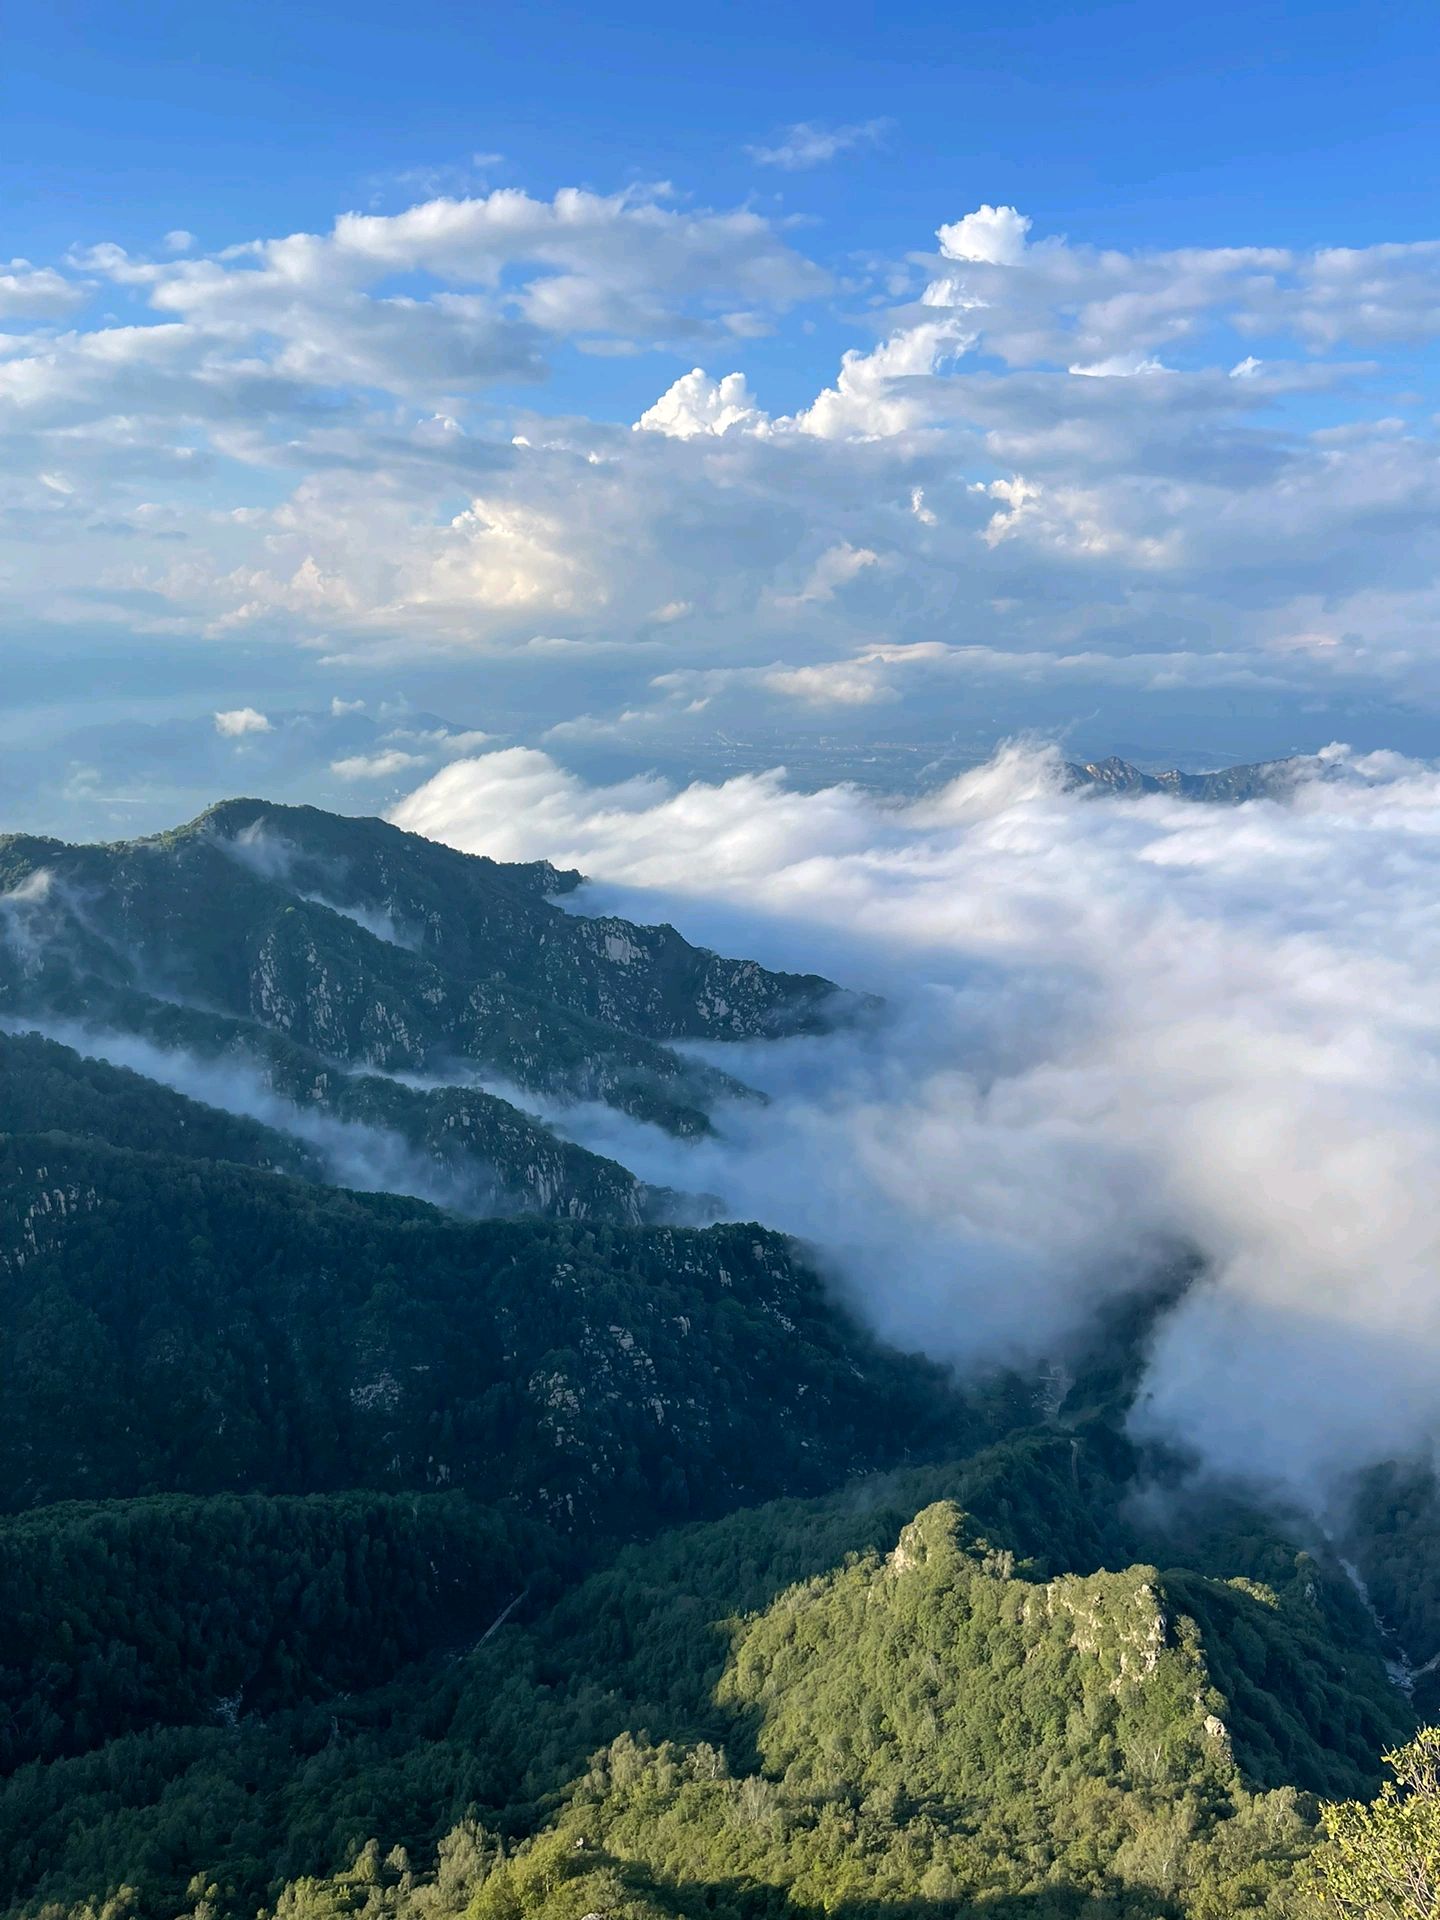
x=1115, y=1027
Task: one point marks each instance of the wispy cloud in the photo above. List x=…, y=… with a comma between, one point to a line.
x=808, y=144
x=376, y=766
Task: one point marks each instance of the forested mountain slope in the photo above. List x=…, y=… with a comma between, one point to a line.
x=374, y=947
x=313, y=959
x=360, y=1555
x=48, y=1088
x=873, y=1699
x=226, y=1329
x=454, y=1144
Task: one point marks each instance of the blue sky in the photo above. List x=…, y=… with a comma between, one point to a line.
x=1133, y=455
x=1120, y=113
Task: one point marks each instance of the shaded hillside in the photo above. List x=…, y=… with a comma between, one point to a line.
x=127, y=1615
x=458, y=1146
x=47, y=1088
x=225, y=1329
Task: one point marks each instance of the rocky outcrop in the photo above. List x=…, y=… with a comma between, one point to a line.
x=1264, y=780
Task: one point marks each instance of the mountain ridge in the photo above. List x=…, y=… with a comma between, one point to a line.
x=365, y=1557
x=1226, y=786
x=323, y=953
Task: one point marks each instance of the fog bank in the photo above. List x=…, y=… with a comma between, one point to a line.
x=1113, y=1027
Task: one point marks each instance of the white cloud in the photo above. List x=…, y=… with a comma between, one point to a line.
x=1120, y=366
x=1115, y=1027
x=938, y=677
x=28, y=292
x=697, y=404
x=621, y=262
x=839, y=683
x=449, y=741
x=879, y=393
x=807, y=144
x=377, y=766
x=835, y=568
x=240, y=721
x=995, y=235
x=286, y=440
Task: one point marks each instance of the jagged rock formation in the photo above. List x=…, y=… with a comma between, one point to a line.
x=1266, y=779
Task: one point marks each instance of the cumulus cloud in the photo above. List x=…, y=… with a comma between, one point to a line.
x=836, y=684
x=698, y=404
x=995, y=235
x=1052, y=449
x=1115, y=1029
x=625, y=264
x=879, y=394
x=28, y=292
x=240, y=721
x=807, y=144
x=834, y=570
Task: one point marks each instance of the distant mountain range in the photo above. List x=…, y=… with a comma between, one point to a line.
x=1265, y=780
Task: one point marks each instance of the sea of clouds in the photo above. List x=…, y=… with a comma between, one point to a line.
x=1113, y=1029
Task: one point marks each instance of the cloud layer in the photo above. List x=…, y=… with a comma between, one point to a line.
x=1115, y=1028
x=1128, y=471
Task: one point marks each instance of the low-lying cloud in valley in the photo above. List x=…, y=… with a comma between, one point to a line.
x=349, y=1153
x=1113, y=1029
